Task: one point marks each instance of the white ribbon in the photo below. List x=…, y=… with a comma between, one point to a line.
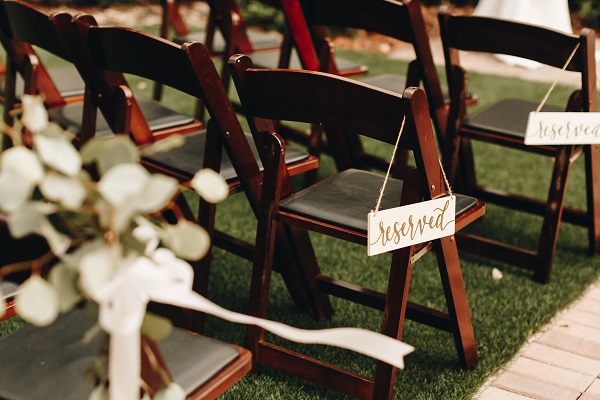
x=166, y=279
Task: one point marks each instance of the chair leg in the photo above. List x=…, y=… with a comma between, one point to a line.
x=456, y=300
x=393, y=318
x=592, y=182
x=553, y=214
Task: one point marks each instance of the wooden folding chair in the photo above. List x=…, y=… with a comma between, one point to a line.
x=503, y=123
x=24, y=25
x=52, y=362
x=338, y=206
x=226, y=34
x=189, y=69
x=399, y=20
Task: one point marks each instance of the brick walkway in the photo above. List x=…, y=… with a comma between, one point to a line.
x=561, y=362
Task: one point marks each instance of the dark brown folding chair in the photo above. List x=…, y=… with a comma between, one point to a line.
x=338, y=206
x=226, y=34
x=503, y=123
x=191, y=71
x=399, y=20
x=58, y=360
x=24, y=25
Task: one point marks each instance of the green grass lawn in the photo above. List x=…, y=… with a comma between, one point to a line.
x=504, y=313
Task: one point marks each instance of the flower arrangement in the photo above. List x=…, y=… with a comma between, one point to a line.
x=102, y=213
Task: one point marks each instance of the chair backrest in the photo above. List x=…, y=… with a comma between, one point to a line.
x=188, y=68
x=21, y=26
x=546, y=46
x=397, y=19
x=344, y=104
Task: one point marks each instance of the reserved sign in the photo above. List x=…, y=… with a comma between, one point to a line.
x=407, y=225
x=563, y=128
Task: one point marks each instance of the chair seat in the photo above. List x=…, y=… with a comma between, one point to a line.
x=158, y=116
x=51, y=362
x=270, y=59
x=345, y=199
x=259, y=40
x=508, y=117
x=188, y=159
x=67, y=81
x=8, y=289
x=397, y=83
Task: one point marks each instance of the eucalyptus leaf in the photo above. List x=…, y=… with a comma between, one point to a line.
x=23, y=162
x=122, y=183
x=96, y=269
x=14, y=191
x=59, y=153
x=59, y=243
x=171, y=391
x=37, y=301
x=156, y=327
x=187, y=240
x=116, y=150
x=166, y=144
x=72, y=260
x=35, y=116
x=24, y=220
x=157, y=193
x=210, y=185
x=69, y=192
x=64, y=280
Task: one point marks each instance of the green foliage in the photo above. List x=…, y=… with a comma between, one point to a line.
x=589, y=9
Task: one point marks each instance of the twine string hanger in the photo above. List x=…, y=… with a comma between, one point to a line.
x=556, y=80
x=387, y=175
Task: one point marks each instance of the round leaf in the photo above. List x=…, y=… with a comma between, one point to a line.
x=171, y=391
x=157, y=193
x=210, y=185
x=122, y=183
x=67, y=191
x=27, y=218
x=116, y=150
x=156, y=327
x=166, y=144
x=37, y=301
x=187, y=240
x=59, y=153
x=96, y=269
x=14, y=190
x=35, y=116
x=59, y=243
x=64, y=280
x=23, y=162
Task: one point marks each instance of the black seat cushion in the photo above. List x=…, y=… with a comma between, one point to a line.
x=8, y=289
x=158, y=116
x=397, y=83
x=508, y=117
x=188, y=159
x=259, y=40
x=345, y=199
x=51, y=362
x=66, y=78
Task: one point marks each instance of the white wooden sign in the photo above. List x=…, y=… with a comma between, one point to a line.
x=416, y=223
x=563, y=128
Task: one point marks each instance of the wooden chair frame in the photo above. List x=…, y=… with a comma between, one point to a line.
x=551, y=48
x=332, y=100
x=400, y=20
x=191, y=71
